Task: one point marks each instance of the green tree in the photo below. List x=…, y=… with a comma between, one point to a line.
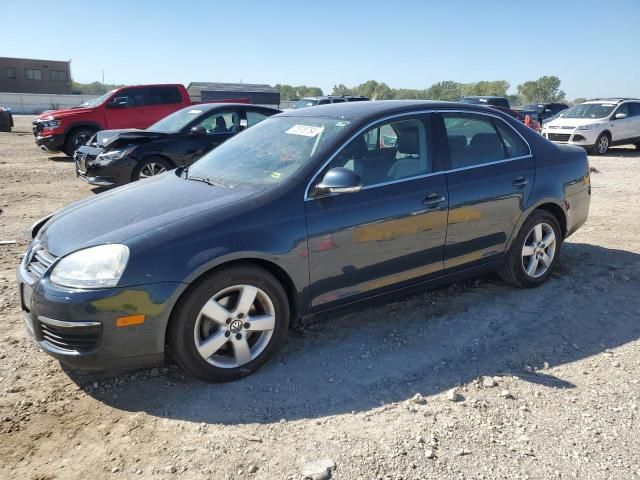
x=545, y=89
x=341, y=89
x=496, y=88
x=409, y=94
x=447, y=90
x=95, y=88
x=288, y=92
x=578, y=101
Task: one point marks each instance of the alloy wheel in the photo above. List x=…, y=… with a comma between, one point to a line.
x=538, y=250
x=81, y=139
x=150, y=169
x=603, y=144
x=235, y=326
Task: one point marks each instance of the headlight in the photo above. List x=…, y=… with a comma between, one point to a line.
x=94, y=267
x=587, y=127
x=50, y=122
x=115, y=154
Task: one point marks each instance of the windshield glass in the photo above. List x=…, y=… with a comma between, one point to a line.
x=269, y=152
x=177, y=120
x=589, y=110
x=94, y=102
x=305, y=102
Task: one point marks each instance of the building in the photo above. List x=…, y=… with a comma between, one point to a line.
x=24, y=75
x=234, y=92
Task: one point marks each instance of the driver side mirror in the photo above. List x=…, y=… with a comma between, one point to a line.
x=198, y=131
x=339, y=180
x=620, y=116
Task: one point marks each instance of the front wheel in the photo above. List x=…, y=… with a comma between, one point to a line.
x=535, y=251
x=602, y=144
x=229, y=324
x=150, y=167
x=76, y=139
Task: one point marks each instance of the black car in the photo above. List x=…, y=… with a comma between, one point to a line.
x=542, y=112
x=486, y=100
x=116, y=157
x=310, y=212
x=6, y=119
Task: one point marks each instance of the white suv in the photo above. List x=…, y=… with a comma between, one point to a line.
x=597, y=125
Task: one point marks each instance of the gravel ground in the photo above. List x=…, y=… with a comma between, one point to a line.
x=473, y=381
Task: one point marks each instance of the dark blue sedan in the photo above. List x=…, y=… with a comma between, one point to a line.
x=308, y=213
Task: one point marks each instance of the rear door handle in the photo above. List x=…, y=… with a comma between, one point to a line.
x=520, y=182
x=432, y=200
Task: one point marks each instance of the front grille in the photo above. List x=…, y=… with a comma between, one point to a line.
x=40, y=262
x=559, y=137
x=72, y=339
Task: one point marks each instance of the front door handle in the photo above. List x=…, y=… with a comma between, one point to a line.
x=432, y=200
x=520, y=182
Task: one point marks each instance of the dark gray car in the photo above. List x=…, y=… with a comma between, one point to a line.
x=308, y=213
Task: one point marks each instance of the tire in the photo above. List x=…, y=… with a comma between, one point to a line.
x=149, y=167
x=602, y=144
x=519, y=260
x=76, y=138
x=5, y=122
x=218, y=349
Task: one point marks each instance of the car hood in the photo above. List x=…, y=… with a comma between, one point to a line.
x=66, y=112
x=105, y=138
x=572, y=122
x=123, y=213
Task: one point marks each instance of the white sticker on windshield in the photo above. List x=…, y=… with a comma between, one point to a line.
x=305, y=130
x=195, y=111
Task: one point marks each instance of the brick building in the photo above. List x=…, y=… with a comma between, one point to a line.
x=24, y=75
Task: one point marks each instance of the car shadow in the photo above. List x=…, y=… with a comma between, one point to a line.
x=625, y=151
x=427, y=343
x=61, y=158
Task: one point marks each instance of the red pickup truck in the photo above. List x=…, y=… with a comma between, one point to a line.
x=127, y=107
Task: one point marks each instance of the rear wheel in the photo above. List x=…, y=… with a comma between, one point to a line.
x=602, y=144
x=76, y=139
x=534, y=253
x=230, y=324
x=150, y=167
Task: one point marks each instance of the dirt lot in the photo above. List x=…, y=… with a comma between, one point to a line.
x=547, y=381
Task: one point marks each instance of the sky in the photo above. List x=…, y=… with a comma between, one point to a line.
x=593, y=46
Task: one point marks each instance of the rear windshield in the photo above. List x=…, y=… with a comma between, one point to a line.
x=269, y=152
x=589, y=110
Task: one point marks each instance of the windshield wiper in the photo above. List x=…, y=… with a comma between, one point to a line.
x=207, y=180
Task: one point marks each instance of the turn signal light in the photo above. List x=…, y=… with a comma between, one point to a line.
x=130, y=320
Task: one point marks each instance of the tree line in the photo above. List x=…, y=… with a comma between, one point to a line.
x=544, y=89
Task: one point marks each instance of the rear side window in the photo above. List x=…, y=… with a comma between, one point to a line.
x=634, y=109
x=339, y=100
x=164, y=95
x=477, y=139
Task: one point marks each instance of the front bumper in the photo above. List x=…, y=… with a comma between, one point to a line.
x=101, y=175
x=51, y=143
x=579, y=138
x=78, y=327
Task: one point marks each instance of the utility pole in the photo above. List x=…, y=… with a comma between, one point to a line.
x=104, y=87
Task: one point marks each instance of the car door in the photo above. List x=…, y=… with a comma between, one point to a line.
x=634, y=113
x=390, y=233
x=128, y=109
x=210, y=131
x=490, y=177
x=621, y=128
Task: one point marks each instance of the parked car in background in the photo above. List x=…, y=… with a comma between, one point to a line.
x=597, y=125
x=532, y=123
x=116, y=157
x=328, y=99
x=302, y=215
x=486, y=100
x=127, y=107
x=6, y=119
x=541, y=112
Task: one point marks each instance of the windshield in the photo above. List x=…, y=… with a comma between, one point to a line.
x=177, y=120
x=94, y=102
x=589, y=110
x=305, y=102
x=534, y=107
x=269, y=152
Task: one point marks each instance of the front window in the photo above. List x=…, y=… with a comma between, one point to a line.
x=589, y=110
x=305, y=102
x=221, y=122
x=268, y=153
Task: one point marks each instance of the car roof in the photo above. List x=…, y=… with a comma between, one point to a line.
x=206, y=107
x=365, y=110
x=611, y=100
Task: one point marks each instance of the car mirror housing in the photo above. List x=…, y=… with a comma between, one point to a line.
x=620, y=116
x=198, y=131
x=339, y=180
